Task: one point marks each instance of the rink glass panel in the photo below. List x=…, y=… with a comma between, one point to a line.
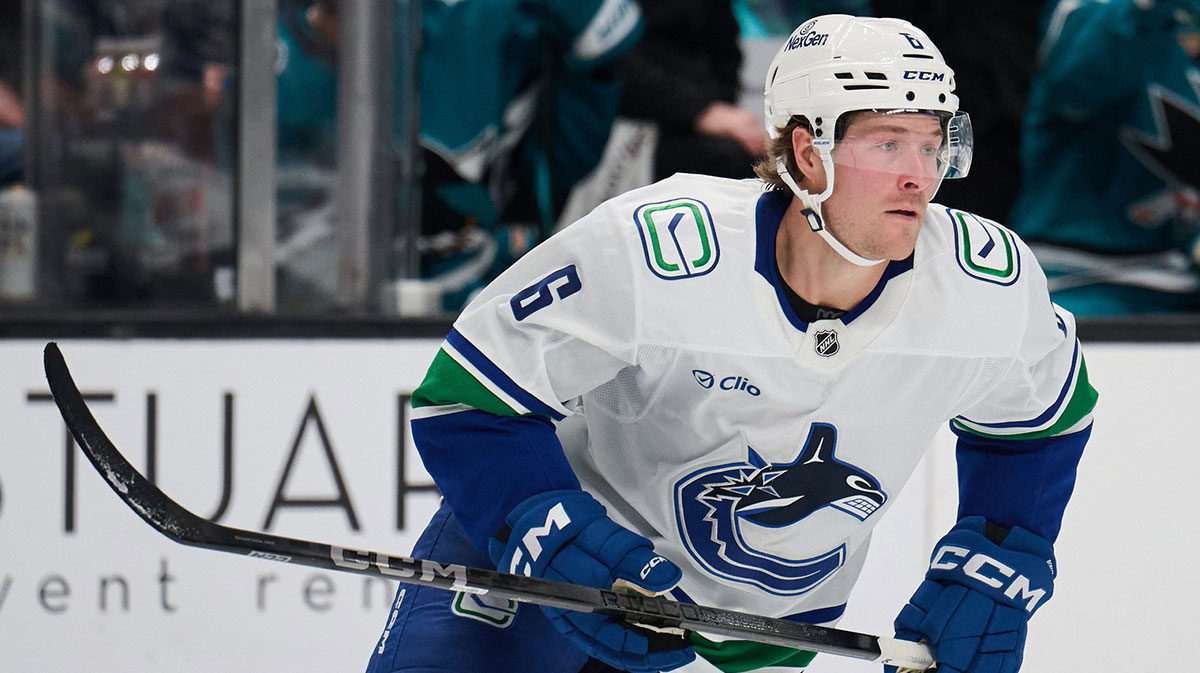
x=137, y=170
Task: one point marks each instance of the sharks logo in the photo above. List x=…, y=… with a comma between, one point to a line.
x=1171, y=152
x=716, y=506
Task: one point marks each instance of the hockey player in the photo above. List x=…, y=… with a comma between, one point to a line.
x=715, y=388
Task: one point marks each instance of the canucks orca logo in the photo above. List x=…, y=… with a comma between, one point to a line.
x=714, y=505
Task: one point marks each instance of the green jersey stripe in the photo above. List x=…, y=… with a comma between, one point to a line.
x=1079, y=408
x=737, y=656
x=448, y=383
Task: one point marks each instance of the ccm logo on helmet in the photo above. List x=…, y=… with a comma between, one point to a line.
x=987, y=570
x=925, y=75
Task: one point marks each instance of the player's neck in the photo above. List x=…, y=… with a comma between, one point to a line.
x=815, y=271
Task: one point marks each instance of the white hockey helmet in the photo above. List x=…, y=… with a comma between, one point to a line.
x=835, y=64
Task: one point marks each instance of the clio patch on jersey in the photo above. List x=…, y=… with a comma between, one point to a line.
x=985, y=250
x=715, y=507
x=678, y=238
x=708, y=381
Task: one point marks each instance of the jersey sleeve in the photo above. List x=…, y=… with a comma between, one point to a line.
x=1019, y=445
x=558, y=323
x=553, y=326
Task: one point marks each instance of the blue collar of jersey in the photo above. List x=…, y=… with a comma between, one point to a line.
x=768, y=215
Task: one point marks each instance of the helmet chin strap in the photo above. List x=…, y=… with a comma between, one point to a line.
x=812, y=211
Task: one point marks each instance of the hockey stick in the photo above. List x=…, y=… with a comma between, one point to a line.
x=181, y=525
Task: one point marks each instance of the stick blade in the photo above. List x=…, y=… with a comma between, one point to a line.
x=158, y=510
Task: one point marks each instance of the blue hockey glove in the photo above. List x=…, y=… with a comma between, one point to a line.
x=567, y=536
x=978, y=596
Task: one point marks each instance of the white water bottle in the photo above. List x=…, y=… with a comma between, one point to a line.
x=18, y=243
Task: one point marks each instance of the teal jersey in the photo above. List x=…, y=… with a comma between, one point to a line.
x=1111, y=132
x=481, y=63
x=306, y=93
x=517, y=101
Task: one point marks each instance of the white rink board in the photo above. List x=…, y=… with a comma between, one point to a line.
x=193, y=610
x=1125, y=593
x=1129, y=595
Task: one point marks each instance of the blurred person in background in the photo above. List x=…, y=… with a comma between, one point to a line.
x=306, y=94
x=511, y=120
x=12, y=112
x=690, y=94
x=306, y=101
x=1109, y=198
x=12, y=144
x=779, y=17
x=685, y=76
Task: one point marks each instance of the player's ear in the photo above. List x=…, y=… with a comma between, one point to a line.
x=808, y=161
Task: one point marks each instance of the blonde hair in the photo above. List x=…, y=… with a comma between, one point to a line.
x=780, y=147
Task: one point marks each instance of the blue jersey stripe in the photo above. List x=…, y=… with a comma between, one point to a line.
x=498, y=377
x=768, y=216
x=894, y=268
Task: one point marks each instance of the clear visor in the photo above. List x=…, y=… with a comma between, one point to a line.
x=915, y=143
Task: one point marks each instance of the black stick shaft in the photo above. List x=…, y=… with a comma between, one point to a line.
x=176, y=522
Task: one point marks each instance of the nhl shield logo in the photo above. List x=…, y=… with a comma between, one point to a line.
x=826, y=343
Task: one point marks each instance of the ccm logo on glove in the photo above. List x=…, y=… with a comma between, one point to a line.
x=983, y=568
x=567, y=536
x=556, y=518
x=650, y=566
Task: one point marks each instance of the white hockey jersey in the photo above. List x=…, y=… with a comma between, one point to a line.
x=755, y=450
